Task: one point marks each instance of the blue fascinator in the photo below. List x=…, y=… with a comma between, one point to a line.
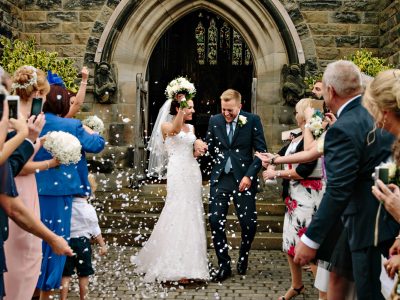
x=54, y=79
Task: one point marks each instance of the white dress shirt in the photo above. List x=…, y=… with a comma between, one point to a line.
x=84, y=221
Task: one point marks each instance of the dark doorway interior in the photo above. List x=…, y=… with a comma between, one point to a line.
x=210, y=52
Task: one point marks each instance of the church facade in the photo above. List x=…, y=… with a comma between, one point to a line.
x=219, y=44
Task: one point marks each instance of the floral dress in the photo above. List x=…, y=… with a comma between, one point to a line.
x=302, y=202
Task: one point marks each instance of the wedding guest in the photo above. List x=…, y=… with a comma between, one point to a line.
x=304, y=196
x=57, y=188
x=382, y=99
x=350, y=158
x=84, y=228
x=11, y=204
x=24, y=250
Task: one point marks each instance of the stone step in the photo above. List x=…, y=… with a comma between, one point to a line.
x=155, y=205
x=148, y=220
x=262, y=240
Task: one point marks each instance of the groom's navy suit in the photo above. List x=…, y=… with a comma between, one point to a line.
x=352, y=151
x=247, y=138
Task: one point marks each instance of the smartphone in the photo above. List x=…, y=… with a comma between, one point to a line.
x=13, y=106
x=382, y=173
x=2, y=98
x=36, y=108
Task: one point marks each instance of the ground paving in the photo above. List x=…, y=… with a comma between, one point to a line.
x=267, y=278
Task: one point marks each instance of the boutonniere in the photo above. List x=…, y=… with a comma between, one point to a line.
x=242, y=120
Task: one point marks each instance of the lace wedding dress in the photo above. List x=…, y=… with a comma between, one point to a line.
x=177, y=247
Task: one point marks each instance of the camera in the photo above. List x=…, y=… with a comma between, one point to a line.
x=382, y=173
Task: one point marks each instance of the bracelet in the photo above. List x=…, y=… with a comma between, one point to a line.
x=47, y=164
x=84, y=83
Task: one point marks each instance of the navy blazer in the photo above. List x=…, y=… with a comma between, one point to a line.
x=247, y=138
x=65, y=179
x=20, y=156
x=349, y=163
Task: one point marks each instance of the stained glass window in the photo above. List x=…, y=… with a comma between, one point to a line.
x=201, y=45
x=212, y=43
x=237, y=49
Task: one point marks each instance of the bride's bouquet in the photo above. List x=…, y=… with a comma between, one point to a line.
x=180, y=85
x=63, y=146
x=315, y=124
x=95, y=123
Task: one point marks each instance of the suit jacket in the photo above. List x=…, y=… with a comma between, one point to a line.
x=350, y=162
x=65, y=179
x=20, y=156
x=246, y=139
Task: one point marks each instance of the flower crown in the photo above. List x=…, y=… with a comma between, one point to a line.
x=180, y=85
x=31, y=81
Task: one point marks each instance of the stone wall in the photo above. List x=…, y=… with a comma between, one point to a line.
x=390, y=32
x=11, y=18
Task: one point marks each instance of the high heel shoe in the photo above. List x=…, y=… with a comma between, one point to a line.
x=293, y=293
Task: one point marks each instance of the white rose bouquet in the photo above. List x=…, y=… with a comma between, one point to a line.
x=63, y=146
x=315, y=124
x=180, y=85
x=95, y=123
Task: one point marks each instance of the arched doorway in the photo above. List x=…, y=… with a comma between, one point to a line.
x=204, y=47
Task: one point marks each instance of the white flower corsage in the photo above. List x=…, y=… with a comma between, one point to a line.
x=242, y=120
x=315, y=124
x=95, y=123
x=63, y=146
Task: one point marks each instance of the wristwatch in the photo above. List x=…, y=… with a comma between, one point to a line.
x=272, y=160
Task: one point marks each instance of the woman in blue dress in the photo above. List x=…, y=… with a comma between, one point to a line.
x=58, y=186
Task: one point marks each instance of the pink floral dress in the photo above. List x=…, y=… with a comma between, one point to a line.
x=301, y=204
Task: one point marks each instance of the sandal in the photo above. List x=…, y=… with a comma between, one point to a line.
x=293, y=293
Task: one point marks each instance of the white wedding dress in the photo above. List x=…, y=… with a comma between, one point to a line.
x=177, y=247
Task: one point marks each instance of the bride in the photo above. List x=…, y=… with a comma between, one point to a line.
x=177, y=247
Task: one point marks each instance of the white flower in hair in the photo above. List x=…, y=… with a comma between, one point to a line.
x=31, y=81
x=63, y=146
x=95, y=123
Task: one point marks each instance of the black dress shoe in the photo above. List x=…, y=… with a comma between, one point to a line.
x=222, y=275
x=242, y=265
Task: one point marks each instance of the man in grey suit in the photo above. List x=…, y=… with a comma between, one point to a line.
x=352, y=150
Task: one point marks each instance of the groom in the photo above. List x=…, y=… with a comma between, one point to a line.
x=232, y=137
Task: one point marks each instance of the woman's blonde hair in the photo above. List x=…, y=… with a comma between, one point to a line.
x=383, y=93
x=92, y=182
x=27, y=80
x=302, y=105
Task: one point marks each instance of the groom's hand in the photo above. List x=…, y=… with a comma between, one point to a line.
x=304, y=254
x=244, y=184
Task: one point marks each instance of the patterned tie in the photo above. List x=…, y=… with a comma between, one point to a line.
x=228, y=165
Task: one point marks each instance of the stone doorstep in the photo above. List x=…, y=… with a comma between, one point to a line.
x=155, y=205
x=262, y=240
x=134, y=221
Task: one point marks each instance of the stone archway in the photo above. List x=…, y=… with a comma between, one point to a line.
x=135, y=28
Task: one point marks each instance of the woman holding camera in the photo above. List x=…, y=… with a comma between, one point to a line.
x=382, y=99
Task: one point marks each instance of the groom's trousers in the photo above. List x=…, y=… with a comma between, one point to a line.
x=220, y=195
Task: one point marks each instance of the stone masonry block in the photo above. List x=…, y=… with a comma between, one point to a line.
x=59, y=38
x=328, y=53
x=329, y=29
x=77, y=27
x=316, y=16
x=347, y=41
x=363, y=29
x=345, y=17
x=42, y=27
x=324, y=41
x=83, y=4
x=88, y=16
x=36, y=16
x=62, y=16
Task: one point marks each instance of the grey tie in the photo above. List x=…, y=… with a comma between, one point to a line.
x=228, y=165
